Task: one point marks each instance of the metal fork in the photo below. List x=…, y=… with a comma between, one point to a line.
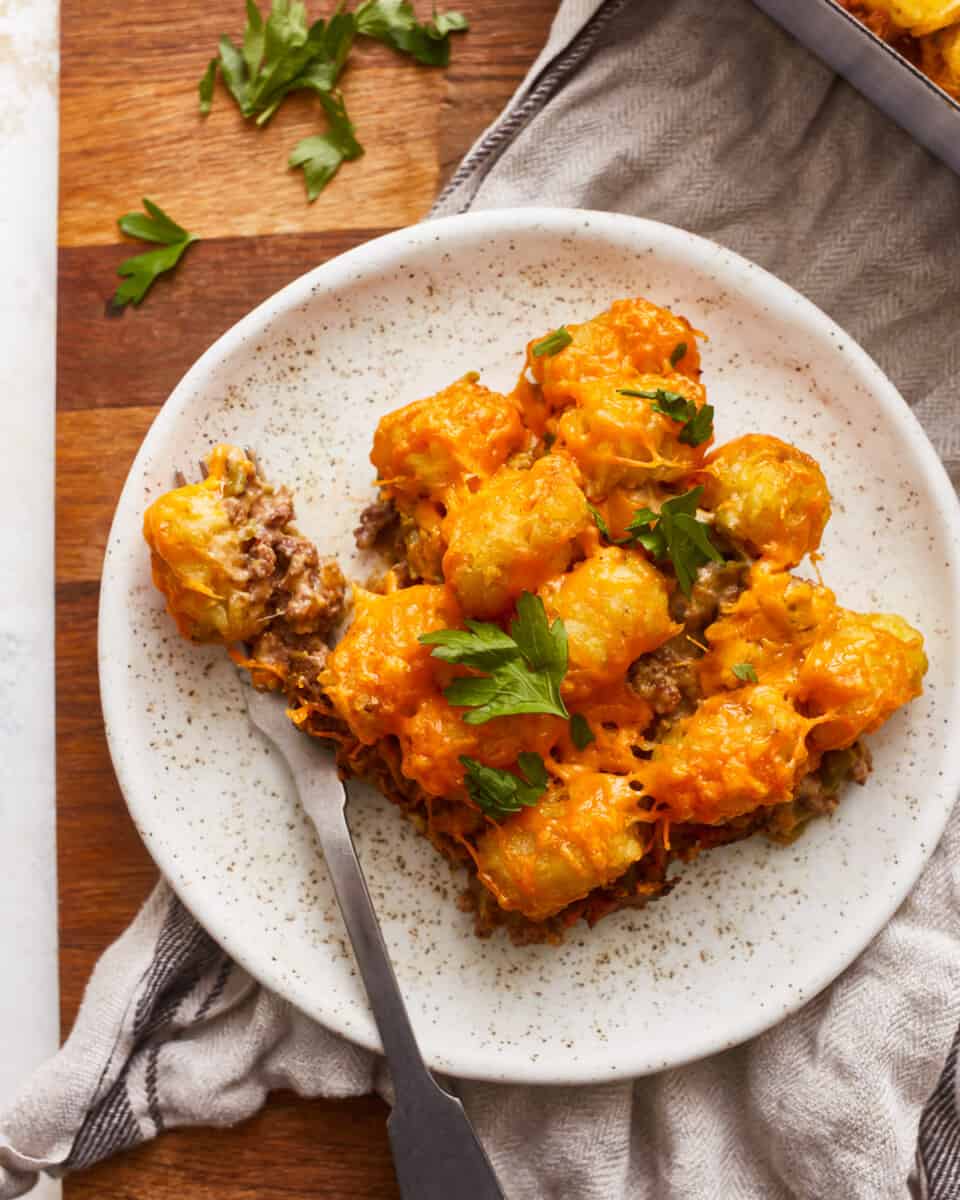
x=435, y=1151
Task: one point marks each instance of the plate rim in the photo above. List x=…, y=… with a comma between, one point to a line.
x=568, y=222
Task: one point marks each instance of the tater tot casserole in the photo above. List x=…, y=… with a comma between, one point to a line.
x=585, y=657
x=927, y=32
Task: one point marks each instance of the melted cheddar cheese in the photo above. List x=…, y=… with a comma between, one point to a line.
x=456, y=438
x=940, y=56
x=583, y=834
x=196, y=554
x=768, y=497
x=698, y=709
x=435, y=738
x=379, y=673
x=632, y=336
x=615, y=606
x=771, y=626
x=861, y=669
x=917, y=17
x=516, y=531
x=926, y=32
x=619, y=439
x=738, y=751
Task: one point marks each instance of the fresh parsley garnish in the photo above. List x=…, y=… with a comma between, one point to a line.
x=279, y=56
x=553, y=343
x=745, y=672
x=205, y=87
x=600, y=522
x=697, y=422
x=141, y=271
x=677, y=353
x=580, y=731
x=501, y=793
x=698, y=427
x=283, y=54
x=523, y=670
x=394, y=23
x=675, y=534
x=321, y=154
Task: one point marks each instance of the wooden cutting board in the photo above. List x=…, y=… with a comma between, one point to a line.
x=129, y=128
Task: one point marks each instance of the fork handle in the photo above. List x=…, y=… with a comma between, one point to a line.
x=435, y=1150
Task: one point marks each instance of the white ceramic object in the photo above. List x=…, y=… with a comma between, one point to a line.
x=29, y=1008
x=753, y=930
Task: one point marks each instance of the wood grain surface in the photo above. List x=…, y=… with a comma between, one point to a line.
x=129, y=127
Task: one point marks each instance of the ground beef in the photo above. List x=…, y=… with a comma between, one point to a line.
x=272, y=509
x=259, y=504
x=716, y=587
x=667, y=679
x=818, y=793
x=285, y=575
x=378, y=522
x=289, y=662
x=301, y=594
x=307, y=598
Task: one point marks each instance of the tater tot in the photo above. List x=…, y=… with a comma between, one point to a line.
x=769, y=628
x=864, y=667
x=514, y=533
x=616, y=719
x=917, y=17
x=621, y=440
x=615, y=606
x=581, y=835
x=379, y=673
x=455, y=438
x=768, y=497
x=941, y=59
x=435, y=737
x=737, y=751
x=634, y=333
x=196, y=554
x=229, y=561
x=633, y=336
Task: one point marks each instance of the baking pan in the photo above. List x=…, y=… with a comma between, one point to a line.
x=876, y=69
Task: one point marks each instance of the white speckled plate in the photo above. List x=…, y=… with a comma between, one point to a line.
x=753, y=930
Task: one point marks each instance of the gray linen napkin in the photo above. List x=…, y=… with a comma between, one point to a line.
x=706, y=116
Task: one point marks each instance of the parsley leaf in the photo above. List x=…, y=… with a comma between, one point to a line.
x=600, y=522
x=447, y=22
x=394, y=23
x=485, y=647
x=746, y=672
x=283, y=54
x=553, y=343
x=699, y=427
x=605, y=528
x=675, y=533
x=321, y=154
x=501, y=793
x=677, y=353
x=544, y=646
x=697, y=422
x=206, y=85
x=140, y=272
x=581, y=732
x=523, y=670
x=279, y=56
x=645, y=529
